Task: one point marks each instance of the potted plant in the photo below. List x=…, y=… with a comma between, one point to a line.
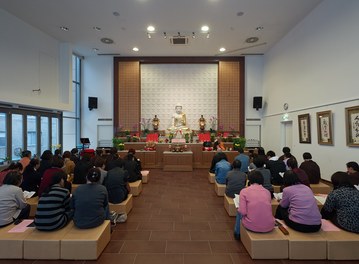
x=118, y=143
x=239, y=142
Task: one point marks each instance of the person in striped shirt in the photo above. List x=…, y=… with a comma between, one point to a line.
x=53, y=210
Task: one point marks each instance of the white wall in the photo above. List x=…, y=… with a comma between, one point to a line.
x=30, y=60
x=315, y=68
x=97, y=82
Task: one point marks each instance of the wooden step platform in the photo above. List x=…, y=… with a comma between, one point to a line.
x=229, y=206
x=321, y=188
x=272, y=245
x=342, y=245
x=145, y=176
x=211, y=177
x=85, y=244
x=124, y=207
x=136, y=187
x=33, y=201
x=219, y=189
x=45, y=245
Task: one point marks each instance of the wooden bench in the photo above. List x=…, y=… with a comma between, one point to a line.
x=145, y=176
x=45, y=245
x=307, y=246
x=321, y=188
x=124, y=207
x=219, y=189
x=276, y=188
x=85, y=244
x=342, y=245
x=211, y=177
x=229, y=206
x=12, y=244
x=272, y=245
x=33, y=201
x=136, y=187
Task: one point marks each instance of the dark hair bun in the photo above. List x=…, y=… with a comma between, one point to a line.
x=94, y=175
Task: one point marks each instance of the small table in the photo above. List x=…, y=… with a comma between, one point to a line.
x=177, y=161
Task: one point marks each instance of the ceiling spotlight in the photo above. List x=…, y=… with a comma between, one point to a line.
x=64, y=28
x=204, y=29
x=116, y=13
x=222, y=49
x=164, y=35
x=193, y=35
x=95, y=49
x=259, y=28
x=135, y=49
x=107, y=41
x=97, y=28
x=252, y=40
x=240, y=13
x=150, y=28
x=149, y=35
x=207, y=35
x=179, y=34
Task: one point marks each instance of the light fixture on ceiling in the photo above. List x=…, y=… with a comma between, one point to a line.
x=240, y=13
x=64, y=28
x=259, y=28
x=151, y=28
x=207, y=35
x=179, y=34
x=164, y=35
x=222, y=49
x=205, y=29
x=107, y=41
x=149, y=35
x=252, y=40
x=193, y=35
x=95, y=49
x=116, y=13
x=135, y=49
x=97, y=28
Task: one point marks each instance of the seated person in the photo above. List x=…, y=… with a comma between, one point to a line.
x=132, y=167
x=244, y=160
x=90, y=202
x=53, y=210
x=353, y=171
x=81, y=169
x=218, y=145
x=215, y=159
x=311, y=168
x=259, y=164
x=14, y=166
x=178, y=120
x=255, y=209
x=116, y=183
x=275, y=166
x=31, y=177
x=222, y=168
x=13, y=205
x=302, y=175
x=342, y=204
x=298, y=207
x=235, y=179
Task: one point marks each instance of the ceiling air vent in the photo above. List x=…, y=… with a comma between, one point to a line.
x=179, y=40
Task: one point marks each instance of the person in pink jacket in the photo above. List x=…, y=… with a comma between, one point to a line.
x=255, y=209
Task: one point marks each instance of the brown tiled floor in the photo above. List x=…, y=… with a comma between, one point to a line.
x=177, y=219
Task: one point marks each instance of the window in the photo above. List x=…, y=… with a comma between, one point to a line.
x=71, y=119
x=27, y=128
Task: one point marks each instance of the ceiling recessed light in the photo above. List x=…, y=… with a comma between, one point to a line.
x=116, y=13
x=95, y=49
x=259, y=28
x=64, y=28
x=135, y=49
x=150, y=28
x=252, y=40
x=107, y=40
x=240, y=13
x=97, y=28
x=222, y=49
x=204, y=28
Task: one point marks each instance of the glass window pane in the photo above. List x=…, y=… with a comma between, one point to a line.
x=31, y=134
x=45, y=137
x=55, y=141
x=17, y=143
x=3, y=137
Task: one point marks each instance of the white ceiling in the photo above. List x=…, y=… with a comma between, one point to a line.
x=227, y=28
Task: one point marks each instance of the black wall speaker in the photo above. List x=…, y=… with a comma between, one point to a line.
x=257, y=102
x=92, y=103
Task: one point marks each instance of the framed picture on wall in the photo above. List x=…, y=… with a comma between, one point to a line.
x=352, y=126
x=304, y=128
x=324, y=125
